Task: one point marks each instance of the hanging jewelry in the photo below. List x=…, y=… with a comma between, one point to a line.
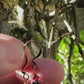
x=36, y=78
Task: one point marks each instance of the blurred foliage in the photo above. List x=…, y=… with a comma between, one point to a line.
x=77, y=62
x=33, y=18
x=82, y=35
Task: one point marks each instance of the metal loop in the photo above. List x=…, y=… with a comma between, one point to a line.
x=25, y=63
x=34, y=66
x=38, y=46
x=25, y=76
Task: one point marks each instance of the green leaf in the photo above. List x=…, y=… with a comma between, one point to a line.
x=53, y=0
x=67, y=40
x=82, y=35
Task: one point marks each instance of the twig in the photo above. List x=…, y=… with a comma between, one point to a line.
x=77, y=32
x=69, y=58
x=80, y=41
x=67, y=34
x=57, y=8
x=68, y=26
x=75, y=22
x=80, y=49
x=48, y=18
x=51, y=38
x=38, y=26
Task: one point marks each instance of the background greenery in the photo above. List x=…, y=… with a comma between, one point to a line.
x=58, y=25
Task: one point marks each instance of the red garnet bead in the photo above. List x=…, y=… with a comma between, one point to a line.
x=36, y=79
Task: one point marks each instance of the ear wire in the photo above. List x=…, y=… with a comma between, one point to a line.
x=38, y=44
x=34, y=66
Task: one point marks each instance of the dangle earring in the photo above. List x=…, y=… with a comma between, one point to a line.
x=36, y=78
x=25, y=75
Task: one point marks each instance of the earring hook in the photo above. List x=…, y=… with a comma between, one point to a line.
x=38, y=46
x=34, y=66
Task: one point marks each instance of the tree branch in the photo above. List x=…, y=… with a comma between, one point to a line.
x=64, y=35
x=69, y=58
x=80, y=49
x=57, y=9
x=51, y=38
x=75, y=22
x=80, y=41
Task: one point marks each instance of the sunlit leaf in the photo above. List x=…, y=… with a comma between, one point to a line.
x=82, y=35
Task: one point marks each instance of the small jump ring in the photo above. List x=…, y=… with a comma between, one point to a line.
x=25, y=76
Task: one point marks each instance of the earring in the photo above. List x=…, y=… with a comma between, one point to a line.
x=36, y=78
x=25, y=75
